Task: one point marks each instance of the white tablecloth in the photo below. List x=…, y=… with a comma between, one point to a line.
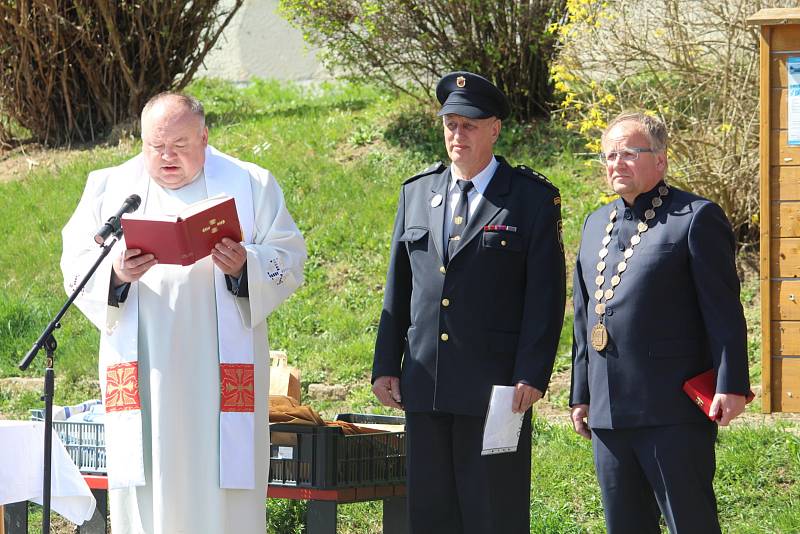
x=21, y=468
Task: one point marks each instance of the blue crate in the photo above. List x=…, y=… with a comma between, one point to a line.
x=85, y=443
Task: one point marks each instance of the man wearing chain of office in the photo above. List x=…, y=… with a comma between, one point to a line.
x=656, y=299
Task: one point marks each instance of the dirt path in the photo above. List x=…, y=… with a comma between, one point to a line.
x=19, y=162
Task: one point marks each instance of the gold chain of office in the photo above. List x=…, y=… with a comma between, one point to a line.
x=599, y=331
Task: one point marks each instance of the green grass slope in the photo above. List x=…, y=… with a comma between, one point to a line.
x=340, y=154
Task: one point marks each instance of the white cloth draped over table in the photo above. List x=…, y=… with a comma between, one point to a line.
x=178, y=348
x=22, y=466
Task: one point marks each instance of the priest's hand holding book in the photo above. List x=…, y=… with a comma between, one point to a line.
x=130, y=266
x=229, y=256
x=209, y=227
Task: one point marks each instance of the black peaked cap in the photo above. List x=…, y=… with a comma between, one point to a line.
x=470, y=95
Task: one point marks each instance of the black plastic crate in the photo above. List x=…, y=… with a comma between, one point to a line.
x=326, y=458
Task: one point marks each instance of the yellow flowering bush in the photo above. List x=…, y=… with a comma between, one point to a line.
x=694, y=65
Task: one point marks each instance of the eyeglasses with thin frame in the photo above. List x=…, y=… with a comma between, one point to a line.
x=626, y=154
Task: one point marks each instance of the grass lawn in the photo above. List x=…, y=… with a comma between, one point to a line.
x=340, y=154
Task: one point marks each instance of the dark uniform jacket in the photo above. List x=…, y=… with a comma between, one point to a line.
x=493, y=315
x=675, y=314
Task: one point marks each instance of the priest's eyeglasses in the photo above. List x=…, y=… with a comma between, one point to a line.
x=626, y=154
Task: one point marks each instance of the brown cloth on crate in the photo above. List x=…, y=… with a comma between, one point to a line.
x=350, y=428
x=283, y=409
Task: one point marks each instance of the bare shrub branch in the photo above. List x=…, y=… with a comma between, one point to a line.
x=72, y=69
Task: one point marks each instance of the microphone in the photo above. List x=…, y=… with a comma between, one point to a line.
x=111, y=226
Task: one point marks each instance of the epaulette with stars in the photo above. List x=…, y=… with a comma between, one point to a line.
x=437, y=167
x=542, y=179
x=536, y=175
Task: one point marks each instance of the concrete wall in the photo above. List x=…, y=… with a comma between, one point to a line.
x=258, y=42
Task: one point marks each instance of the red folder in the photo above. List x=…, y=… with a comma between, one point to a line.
x=701, y=390
x=187, y=237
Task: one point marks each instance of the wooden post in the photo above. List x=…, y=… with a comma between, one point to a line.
x=764, y=194
x=779, y=187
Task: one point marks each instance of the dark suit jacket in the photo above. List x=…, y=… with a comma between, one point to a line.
x=675, y=314
x=504, y=291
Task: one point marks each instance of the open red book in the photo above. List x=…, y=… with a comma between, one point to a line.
x=184, y=238
x=701, y=390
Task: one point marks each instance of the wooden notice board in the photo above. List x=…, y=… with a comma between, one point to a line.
x=780, y=214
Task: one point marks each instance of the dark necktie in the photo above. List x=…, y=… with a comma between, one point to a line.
x=460, y=214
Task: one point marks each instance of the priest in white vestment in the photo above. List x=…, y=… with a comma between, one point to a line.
x=183, y=351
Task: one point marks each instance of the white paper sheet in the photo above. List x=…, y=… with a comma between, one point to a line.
x=502, y=428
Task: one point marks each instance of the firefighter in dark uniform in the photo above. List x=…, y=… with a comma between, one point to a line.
x=474, y=297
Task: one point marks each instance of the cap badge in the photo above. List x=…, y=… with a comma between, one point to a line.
x=461, y=81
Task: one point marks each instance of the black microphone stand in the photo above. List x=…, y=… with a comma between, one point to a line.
x=48, y=342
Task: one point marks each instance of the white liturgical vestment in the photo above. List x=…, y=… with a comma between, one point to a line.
x=189, y=458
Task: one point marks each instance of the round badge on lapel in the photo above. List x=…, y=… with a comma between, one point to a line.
x=436, y=200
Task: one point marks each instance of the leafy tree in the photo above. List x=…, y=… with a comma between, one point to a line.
x=406, y=43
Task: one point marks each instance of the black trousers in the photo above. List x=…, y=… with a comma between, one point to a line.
x=646, y=472
x=453, y=489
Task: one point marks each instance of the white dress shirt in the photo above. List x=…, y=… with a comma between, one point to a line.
x=480, y=182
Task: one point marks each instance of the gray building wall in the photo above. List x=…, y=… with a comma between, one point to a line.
x=258, y=42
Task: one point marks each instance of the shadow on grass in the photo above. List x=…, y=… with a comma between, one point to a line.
x=537, y=143
x=227, y=103
x=418, y=131
x=246, y=112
